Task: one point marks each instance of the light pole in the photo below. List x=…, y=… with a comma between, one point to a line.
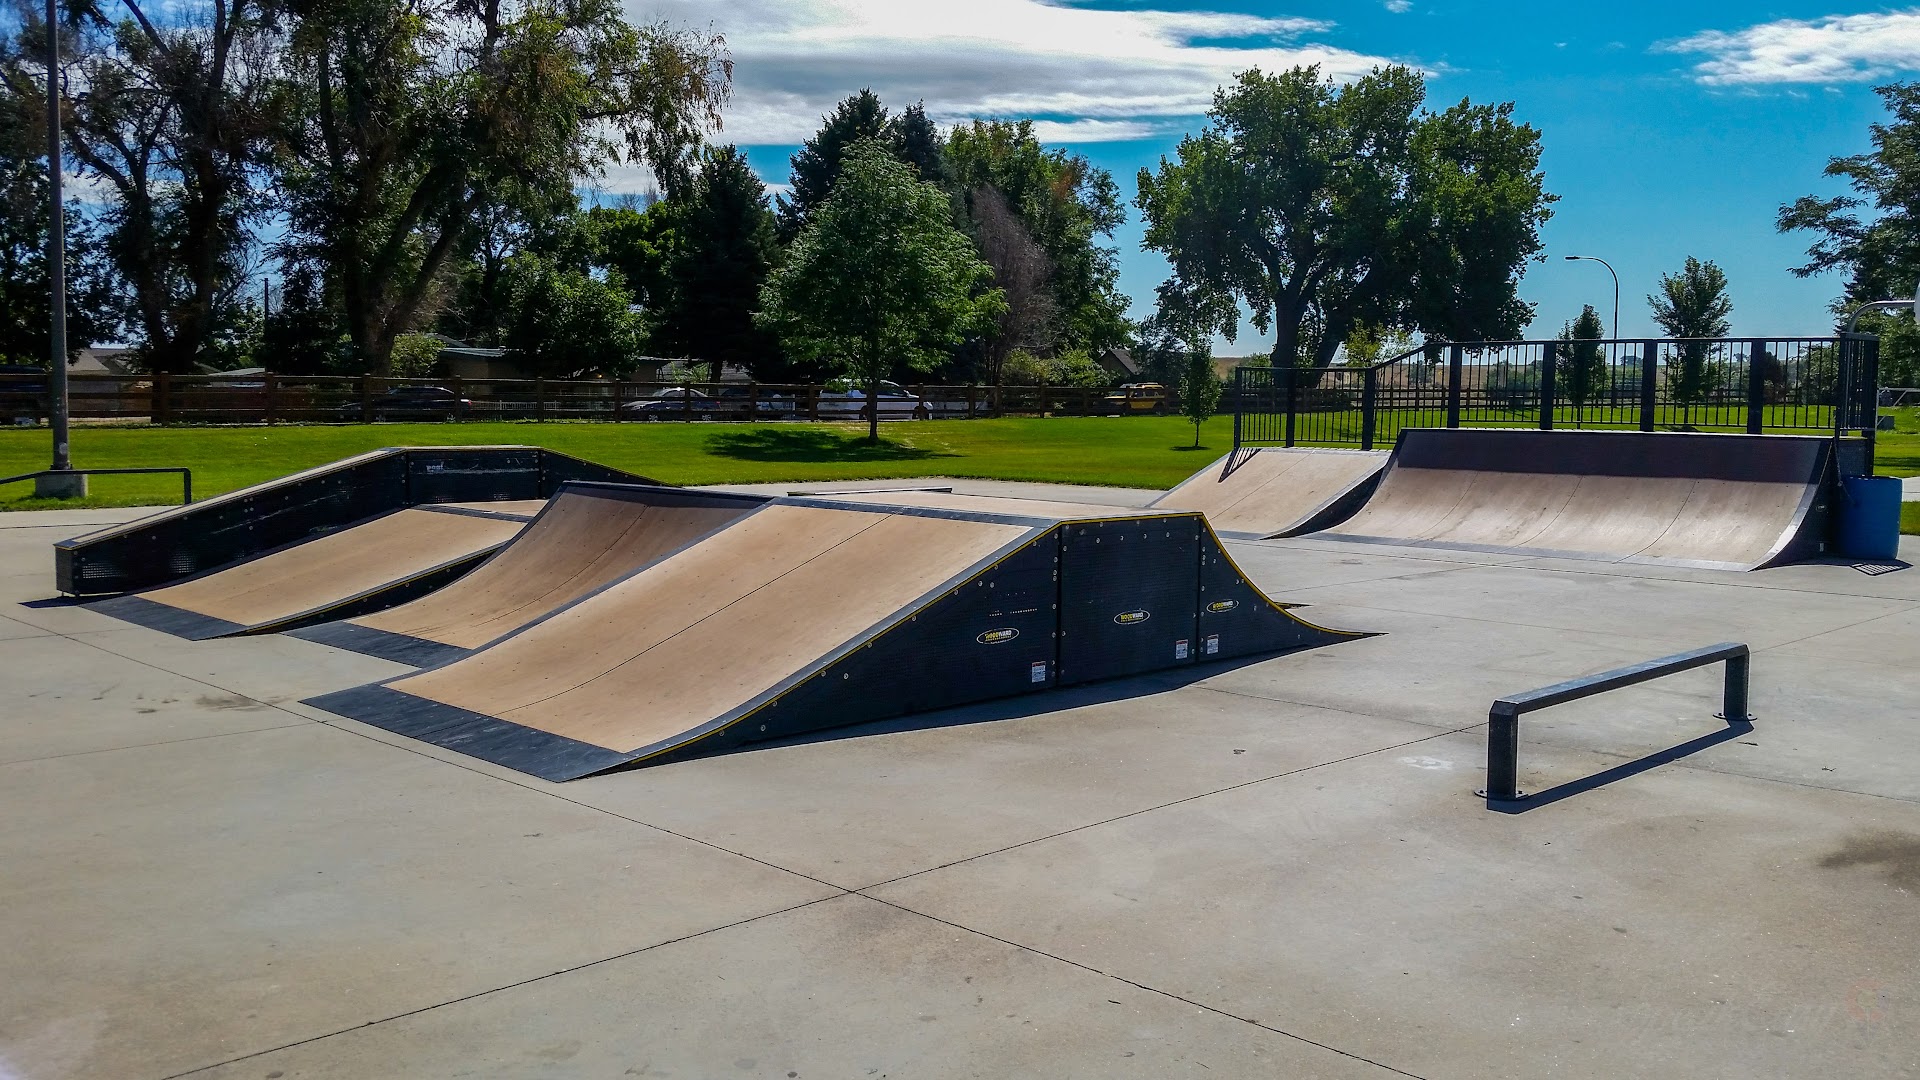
x=65, y=484
x=1616, y=287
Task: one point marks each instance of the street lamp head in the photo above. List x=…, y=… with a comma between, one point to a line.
x=1571, y=258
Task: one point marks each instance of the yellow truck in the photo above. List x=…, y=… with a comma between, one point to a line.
x=1148, y=397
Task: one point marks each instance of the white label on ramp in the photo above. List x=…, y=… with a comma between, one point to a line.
x=1039, y=674
x=1180, y=649
x=1213, y=644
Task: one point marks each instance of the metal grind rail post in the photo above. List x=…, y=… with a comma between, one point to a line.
x=186, y=477
x=1503, y=722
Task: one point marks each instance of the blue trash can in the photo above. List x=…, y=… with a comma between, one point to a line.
x=1870, y=517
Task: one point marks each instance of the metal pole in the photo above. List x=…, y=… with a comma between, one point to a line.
x=1503, y=755
x=1733, y=706
x=56, y=252
x=1616, y=286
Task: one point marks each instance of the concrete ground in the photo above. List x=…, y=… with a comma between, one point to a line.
x=1271, y=869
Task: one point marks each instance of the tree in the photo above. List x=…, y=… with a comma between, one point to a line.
x=722, y=250
x=1324, y=209
x=1580, y=367
x=26, y=293
x=879, y=277
x=565, y=324
x=165, y=106
x=1873, y=235
x=910, y=138
x=1199, y=390
x=1022, y=272
x=405, y=118
x=1692, y=304
x=1067, y=205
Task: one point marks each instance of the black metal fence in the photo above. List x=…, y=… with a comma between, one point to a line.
x=1754, y=385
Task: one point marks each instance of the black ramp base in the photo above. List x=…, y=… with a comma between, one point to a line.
x=1127, y=589
x=168, y=620
x=539, y=753
x=399, y=648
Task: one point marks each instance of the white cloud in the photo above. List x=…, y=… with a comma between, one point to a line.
x=1089, y=74
x=1835, y=48
x=1092, y=131
x=1399, y=7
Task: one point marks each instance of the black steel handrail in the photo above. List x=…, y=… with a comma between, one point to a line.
x=1503, y=722
x=186, y=477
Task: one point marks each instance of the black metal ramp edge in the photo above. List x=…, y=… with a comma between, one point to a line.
x=179, y=622
x=399, y=648
x=539, y=753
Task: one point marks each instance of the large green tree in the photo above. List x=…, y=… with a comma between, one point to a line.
x=1324, y=208
x=404, y=118
x=1067, y=205
x=722, y=250
x=566, y=324
x=879, y=277
x=1692, y=304
x=164, y=106
x=910, y=138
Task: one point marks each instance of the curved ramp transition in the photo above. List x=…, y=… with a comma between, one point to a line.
x=1724, y=502
x=1279, y=491
x=817, y=613
x=388, y=560
x=589, y=536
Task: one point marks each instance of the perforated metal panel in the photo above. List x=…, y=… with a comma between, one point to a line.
x=1127, y=589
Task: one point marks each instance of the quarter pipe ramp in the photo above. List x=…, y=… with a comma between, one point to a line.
x=817, y=613
x=1727, y=502
x=1275, y=491
x=588, y=536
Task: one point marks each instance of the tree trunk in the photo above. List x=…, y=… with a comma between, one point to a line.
x=873, y=402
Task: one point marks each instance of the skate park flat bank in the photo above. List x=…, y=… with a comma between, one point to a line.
x=1270, y=865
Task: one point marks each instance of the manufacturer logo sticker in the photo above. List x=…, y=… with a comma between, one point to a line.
x=1223, y=605
x=995, y=637
x=1128, y=618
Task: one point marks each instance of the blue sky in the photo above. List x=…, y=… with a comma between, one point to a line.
x=1670, y=129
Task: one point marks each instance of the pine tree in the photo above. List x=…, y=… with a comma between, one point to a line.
x=723, y=250
x=817, y=166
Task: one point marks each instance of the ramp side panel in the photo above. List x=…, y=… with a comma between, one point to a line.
x=1128, y=594
x=1035, y=509
x=1236, y=618
x=589, y=536
x=480, y=474
x=345, y=566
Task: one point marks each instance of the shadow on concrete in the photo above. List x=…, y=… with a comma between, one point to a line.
x=1568, y=790
x=810, y=445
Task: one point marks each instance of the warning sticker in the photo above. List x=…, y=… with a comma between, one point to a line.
x=1180, y=649
x=1212, y=644
x=1039, y=671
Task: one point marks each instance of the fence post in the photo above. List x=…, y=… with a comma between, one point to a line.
x=1870, y=385
x=366, y=399
x=619, y=398
x=813, y=402
x=1649, y=382
x=268, y=381
x=459, y=389
x=973, y=392
x=1549, y=356
x=1843, y=386
x=1756, y=387
x=539, y=400
x=1456, y=378
x=1291, y=377
x=162, y=397
x=1368, y=391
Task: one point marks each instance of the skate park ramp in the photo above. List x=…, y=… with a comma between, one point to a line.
x=389, y=560
x=1279, y=491
x=815, y=613
x=227, y=529
x=1723, y=502
x=588, y=536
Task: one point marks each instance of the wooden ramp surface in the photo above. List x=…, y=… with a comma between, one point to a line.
x=1278, y=491
x=1728, y=502
x=391, y=555
x=588, y=536
x=814, y=613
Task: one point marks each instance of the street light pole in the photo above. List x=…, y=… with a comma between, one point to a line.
x=57, y=486
x=1616, y=287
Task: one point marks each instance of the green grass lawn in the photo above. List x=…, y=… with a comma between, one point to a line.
x=1130, y=451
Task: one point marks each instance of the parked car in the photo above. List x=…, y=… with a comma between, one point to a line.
x=410, y=403
x=738, y=403
x=23, y=393
x=673, y=403
x=1136, y=398
x=844, y=400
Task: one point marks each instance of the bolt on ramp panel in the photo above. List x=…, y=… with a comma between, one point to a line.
x=390, y=559
x=226, y=529
x=1279, y=491
x=587, y=537
x=803, y=615
x=1728, y=502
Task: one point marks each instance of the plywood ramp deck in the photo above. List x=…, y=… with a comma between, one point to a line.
x=311, y=579
x=589, y=536
x=1731, y=502
x=1278, y=491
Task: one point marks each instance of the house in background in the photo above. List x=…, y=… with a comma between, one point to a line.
x=1118, y=362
